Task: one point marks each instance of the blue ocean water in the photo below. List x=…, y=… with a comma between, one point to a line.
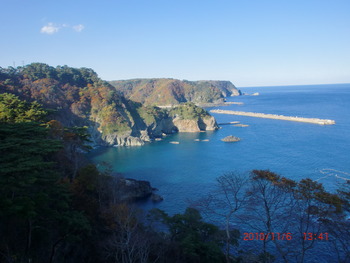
x=187, y=171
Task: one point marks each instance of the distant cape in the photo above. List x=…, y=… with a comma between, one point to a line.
x=165, y=91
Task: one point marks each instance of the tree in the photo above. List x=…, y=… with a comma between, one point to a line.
x=129, y=242
x=270, y=205
x=37, y=71
x=281, y=205
x=193, y=239
x=35, y=215
x=12, y=109
x=225, y=202
x=338, y=225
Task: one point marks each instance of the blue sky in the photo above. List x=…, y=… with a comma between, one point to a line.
x=251, y=43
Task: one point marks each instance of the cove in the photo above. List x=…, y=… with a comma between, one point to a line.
x=187, y=171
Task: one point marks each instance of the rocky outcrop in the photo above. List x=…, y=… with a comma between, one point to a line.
x=186, y=125
x=156, y=198
x=161, y=127
x=133, y=190
x=195, y=125
x=156, y=129
x=209, y=124
x=231, y=138
x=127, y=140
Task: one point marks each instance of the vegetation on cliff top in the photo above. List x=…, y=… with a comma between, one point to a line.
x=151, y=114
x=172, y=91
x=188, y=111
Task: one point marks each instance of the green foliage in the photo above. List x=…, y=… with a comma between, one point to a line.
x=78, y=96
x=150, y=114
x=205, y=91
x=112, y=120
x=64, y=74
x=188, y=111
x=35, y=213
x=166, y=91
x=12, y=109
x=306, y=189
x=37, y=71
x=198, y=241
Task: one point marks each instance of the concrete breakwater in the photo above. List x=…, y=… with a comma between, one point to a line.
x=277, y=117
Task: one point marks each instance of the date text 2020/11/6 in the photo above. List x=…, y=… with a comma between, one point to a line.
x=248, y=236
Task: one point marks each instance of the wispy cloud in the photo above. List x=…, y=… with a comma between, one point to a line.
x=52, y=28
x=78, y=28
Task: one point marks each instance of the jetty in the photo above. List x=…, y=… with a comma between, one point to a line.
x=229, y=123
x=276, y=117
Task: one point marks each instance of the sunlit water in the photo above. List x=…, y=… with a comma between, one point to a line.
x=187, y=171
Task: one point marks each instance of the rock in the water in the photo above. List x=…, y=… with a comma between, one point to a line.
x=131, y=189
x=156, y=198
x=231, y=138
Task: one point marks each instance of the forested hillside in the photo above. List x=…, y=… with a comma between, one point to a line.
x=54, y=207
x=163, y=92
x=78, y=97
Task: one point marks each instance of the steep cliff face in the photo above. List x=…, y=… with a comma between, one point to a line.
x=77, y=97
x=190, y=118
x=172, y=91
x=195, y=125
x=226, y=87
x=209, y=124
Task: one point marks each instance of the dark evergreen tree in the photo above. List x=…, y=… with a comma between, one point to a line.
x=35, y=214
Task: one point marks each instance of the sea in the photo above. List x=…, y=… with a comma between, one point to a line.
x=185, y=172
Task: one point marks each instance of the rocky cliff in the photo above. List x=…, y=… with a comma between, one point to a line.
x=184, y=125
x=172, y=91
x=78, y=97
x=190, y=118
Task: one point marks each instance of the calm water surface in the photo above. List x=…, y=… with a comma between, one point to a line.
x=187, y=171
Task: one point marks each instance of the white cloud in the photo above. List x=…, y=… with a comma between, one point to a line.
x=78, y=28
x=50, y=29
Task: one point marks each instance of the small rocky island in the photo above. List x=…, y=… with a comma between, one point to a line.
x=231, y=138
x=132, y=190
